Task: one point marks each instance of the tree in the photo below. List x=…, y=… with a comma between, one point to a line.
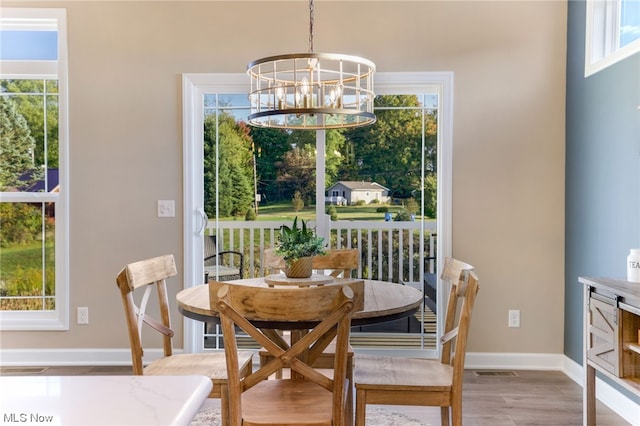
x=334, y=145
x=30, y=98
x=21, y=224
x=270, y=147
x=297, y=173
x=389, y=152
x=234, y=163
x=16, y=148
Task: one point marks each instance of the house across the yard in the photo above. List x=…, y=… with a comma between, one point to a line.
x=344, y=193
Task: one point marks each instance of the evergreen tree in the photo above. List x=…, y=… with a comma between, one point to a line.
x=16, y=148
x=235, y=167
x=30, y=103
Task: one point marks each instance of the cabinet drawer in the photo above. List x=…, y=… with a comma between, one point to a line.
x=603, y=346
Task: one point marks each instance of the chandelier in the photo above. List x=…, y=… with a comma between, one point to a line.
x=311, y=90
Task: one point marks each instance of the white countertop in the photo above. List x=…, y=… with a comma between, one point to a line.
x=101, y=400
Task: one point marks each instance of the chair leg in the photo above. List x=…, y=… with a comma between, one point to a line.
x=361, y=407
x=349, y=403
x=224, y=404
x=444, y=416
x=456, y=412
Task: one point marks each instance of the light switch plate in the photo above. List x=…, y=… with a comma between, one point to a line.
x=166, y=208
x=514, y=318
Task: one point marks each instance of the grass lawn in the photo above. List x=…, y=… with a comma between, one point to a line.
x=25, y=257
x=21, y=270
x=284, y=211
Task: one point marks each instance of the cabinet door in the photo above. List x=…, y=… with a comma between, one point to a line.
x=603, y=335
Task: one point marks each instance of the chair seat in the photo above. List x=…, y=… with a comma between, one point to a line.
x=212, y=365
x=223, y=271
x=277, y=402
x=391, y=373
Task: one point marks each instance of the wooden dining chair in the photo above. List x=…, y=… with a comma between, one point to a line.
x=153, y=273
x=271, y=262
x=311, y=399
x=337, y=263
x=425, y=382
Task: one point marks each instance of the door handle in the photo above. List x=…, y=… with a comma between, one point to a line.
x=204, y=220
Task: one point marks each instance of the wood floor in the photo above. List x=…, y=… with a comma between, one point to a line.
x=546, y=398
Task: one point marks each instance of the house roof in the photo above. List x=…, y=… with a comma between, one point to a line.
x=52, y=182
x=361, y=185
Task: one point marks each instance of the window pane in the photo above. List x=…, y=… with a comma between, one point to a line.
x=629, y=21
x=27, y=262
x=29, y=134
x=29, y=45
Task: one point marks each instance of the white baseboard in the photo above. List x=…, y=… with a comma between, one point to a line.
x=611, y=397
x=71, y=357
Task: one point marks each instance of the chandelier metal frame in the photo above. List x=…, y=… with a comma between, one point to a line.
x=311, y=90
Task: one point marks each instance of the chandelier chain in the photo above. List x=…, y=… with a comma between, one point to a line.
x=311, y=8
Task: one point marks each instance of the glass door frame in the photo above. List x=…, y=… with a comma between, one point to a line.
x=196, y=85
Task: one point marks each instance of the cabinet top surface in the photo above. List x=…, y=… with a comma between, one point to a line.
x=625, y=289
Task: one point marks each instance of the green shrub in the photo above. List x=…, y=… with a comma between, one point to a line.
x=333, y=212
x=21, y=224
x=382, y=209
x=403, y=216
x=297, y=201
x=412, y=206
x=250, y=215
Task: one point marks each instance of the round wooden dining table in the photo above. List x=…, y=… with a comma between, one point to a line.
x=383, y=301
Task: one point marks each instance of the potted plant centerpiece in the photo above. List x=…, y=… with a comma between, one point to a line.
x=298, y=245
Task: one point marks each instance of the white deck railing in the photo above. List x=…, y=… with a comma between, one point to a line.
x=390, y=251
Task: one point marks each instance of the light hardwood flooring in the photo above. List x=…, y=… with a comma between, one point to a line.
x=546, y=398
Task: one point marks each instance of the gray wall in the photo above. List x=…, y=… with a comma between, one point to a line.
x=602, y=172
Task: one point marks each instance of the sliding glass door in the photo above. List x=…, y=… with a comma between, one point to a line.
x=378, y=188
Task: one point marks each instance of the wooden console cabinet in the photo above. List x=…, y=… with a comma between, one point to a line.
x=611, y=337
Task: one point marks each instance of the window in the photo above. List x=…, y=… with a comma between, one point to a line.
x=612, y=32
x=33, y=164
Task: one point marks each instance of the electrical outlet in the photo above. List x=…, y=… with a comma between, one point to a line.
x=82, y=315
x=514, y=318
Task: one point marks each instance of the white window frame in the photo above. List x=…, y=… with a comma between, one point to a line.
x=45, y=19
x=194, y=86
x=603, y=35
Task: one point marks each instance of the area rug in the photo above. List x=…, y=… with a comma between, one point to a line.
x=375, y=417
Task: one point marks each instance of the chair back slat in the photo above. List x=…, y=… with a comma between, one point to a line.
x=464, y=324
x=337, y=262
x=455, y=274
x=340, y=262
